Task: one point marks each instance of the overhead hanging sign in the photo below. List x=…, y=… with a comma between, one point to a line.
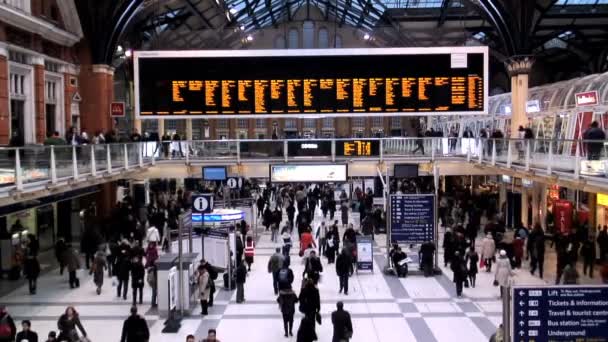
x=588, y=98
x=412, y=218
x=560, y=313
x=234, y=182
x=280, y=83
x=533, y=106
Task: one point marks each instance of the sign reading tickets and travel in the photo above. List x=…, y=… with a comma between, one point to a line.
x=588, y=98
x=365, y=253
x=412, y=218
x=560, y=313
x=117, y=109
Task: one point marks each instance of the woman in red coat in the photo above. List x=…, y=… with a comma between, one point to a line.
x=518, y=251
x=306, y=240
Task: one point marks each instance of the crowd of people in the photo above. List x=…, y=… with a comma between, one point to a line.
x=466, y=215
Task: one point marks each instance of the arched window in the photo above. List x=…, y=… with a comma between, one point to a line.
x=294, y=38
x=323, y=38
x=308, y=35
x=338, y=42
x=279, y=42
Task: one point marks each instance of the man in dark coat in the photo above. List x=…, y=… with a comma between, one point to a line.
x=594, y=133
x=26, y=334
x=343, y=326
x=344, y=268
x=135, y=328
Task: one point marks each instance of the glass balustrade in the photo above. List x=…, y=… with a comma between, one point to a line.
x=562, y=157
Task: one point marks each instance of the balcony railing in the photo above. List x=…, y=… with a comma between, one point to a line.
x=34, y=167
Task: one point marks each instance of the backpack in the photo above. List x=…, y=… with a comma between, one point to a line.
x=284, y=276
x=5, y=328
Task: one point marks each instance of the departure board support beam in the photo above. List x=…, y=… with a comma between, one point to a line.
x=333, y=150
x=285, y=153
x=549, y=170
x=444, y=12
x=381, y=150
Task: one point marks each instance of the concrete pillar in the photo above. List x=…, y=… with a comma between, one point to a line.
x=535, y=205
x=161, y=127
x=592, y=209
x=519, y=67
x=525, y=202
x=502, y=196
x=188, y=129
x=543, y=205
x=5, y=122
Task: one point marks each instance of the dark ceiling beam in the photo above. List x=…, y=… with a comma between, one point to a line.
x=198, y=13
x=445, y=5
x=268, y=4
x=121, y=20
x=346, y=9
x=496, y=15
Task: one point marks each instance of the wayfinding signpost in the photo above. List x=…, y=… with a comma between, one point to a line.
x=559, y=313
x=412, y=218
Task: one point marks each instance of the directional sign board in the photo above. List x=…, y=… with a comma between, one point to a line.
x=412, y=218
x=202, y=203
x=560, y=313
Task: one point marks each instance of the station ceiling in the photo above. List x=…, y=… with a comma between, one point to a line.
x=573, y=33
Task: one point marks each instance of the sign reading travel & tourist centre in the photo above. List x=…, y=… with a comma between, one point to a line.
x=559, y=313
x=311, y=83
x=412, y=218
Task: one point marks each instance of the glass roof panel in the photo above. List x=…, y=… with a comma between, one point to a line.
x=418, y=3
x=581, y=2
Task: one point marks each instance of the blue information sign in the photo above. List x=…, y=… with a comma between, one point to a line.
x=560, y=313
x=412, y=218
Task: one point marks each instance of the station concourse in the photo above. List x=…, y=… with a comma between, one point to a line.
x=141, y=139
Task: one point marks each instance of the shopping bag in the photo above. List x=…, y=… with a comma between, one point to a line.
x=114, y=281
x=482, y=263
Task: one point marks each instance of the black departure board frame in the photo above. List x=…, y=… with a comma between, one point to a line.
x=311, y=82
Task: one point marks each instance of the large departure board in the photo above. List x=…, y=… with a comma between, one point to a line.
x=300, y=83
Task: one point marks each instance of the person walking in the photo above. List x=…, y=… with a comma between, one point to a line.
x=344, y=269
x=135, y=328
x=602, y=243
x=306, y=241
x=471, y=259
x=310, y=302
x=8, y=330
x=204, y=288
x=26, y=334
x=333, y=244
x=313, y=267
x=488, y=250
x=274, y=232
x=241, y=277
x=67, y=325
x=344, y=213
x=285, y=277
x=275, y=264
x=343, y=325
x=287, y=243
x=448, y=246
x=459, y=269
x=98, y=268
x=426, y=254
x=287, y=301
x=72, y=263
x=588, y=254
x=60, y=248
x=123, y=269
x=211, y=336
x=503, y=272
x=570, y=274
x=249, y=251
x=152, y=279
x=138, y=273
x=536, y=240
x=321, y=238
x=306, y=331
x=31, y=271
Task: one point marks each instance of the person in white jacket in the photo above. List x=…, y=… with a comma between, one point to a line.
x=488, y=250
x=152, y=235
